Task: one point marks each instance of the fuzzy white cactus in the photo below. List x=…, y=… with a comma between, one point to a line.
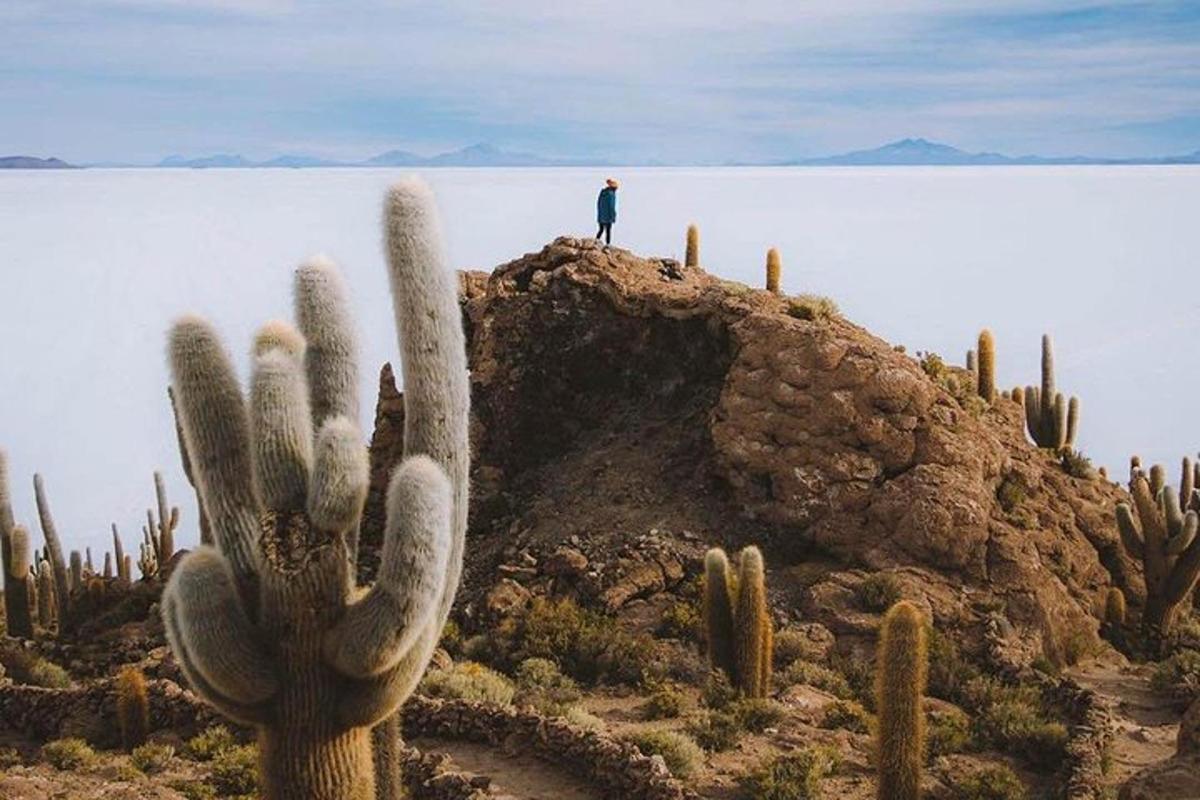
x=269, y=627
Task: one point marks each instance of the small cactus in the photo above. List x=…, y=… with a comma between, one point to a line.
x=1053, y=422
x=133, y=707
x=692, y=255
x=900, y=685
x=718, y=610
x=1158, y=531
x=737, y=620
x=1114, y=607
x=972, y=361
x=987, y=365
x=774, y=269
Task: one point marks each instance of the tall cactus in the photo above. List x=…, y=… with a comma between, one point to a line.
x=737, y=620
x=987, y=365
x=16, y=583
x=268, y=627
x=6, y=526
x=119, y=555
x=1163, y=537
x=774, y=270
x=692, y=255
x=45, y=604
x=900, y=685
x=1052, y=421
x=62, y=586
x=76, y=571
x=159, y=532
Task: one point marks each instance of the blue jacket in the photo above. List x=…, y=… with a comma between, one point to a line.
x=606, y=206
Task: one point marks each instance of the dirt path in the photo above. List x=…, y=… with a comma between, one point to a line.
x=521, y=776
x=1146, y=721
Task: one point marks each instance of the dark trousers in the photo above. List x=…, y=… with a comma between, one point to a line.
x=605, y=230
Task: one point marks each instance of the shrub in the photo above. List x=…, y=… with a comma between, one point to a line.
x=69, y=754
x=878, y=592
x=1179, y=676
x=151, y=758
x=680, y=752
x=812, y=307
x=588, y=646
x=235, y=771
x=29, y=668
x=468, y=680
x=849, y=715
x=756, y=714
x=994, y=782
x=933, y=366
x=949, y=671
x=1011, y=492
x=1012, y=719
x=452, y=638
x=194, y=790
x=859, y=674
x=947, y=732
x=681, y=620
x=206, y=745
x=793, y=776
x=715, y=730
x=823, y=678
x=542, y=685
x=583, y=719
x=1077, y=465
x=665, y=702
x=791, y=645
x=10, y=757
x=717, y=693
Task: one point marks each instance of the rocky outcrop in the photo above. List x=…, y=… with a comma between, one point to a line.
x=611, y=399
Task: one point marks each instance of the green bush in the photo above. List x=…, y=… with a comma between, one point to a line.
x=718, y=693
x=849, y=715
x=151, y=758
x=715, y=730
x=69, y=754
x=949, y=671
x=206, y=745
x=859, y=674
x=542, y=685
x=812, y=307
x=583, y=719
x=791, y=645
x=681, y=620
x=10, y=757
x=680, y=752
x=995, y=782
x=588, y=646
x=821, y=677
x=793, y=776
x=878, y=592
x=1013, y=719
x=27, y=667
x=1179, y=676
x=1011, y=492
x=1077, y=465
x=757, y=714
x=194, y=790
x=467, y=680
x=452, y=638
x=947, y=732
x=235, y=771
x=665, y=702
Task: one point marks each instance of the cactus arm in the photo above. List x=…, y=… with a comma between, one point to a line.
x=168, y=518
x=209, y=624
x=323, y=315
x=376, y=632
x=1130, y=535
x=1186, y=569
x=1048, y=389
x=62, y=587
x=374, y=699
x=280, y=432
x=1154, y=532
x=1187, y=483
x=341, y=475
x=437, y=394
x=1072, y=421
x=215, y=427
x=1059, y=433
x=1033, y=413
x=1172, y=513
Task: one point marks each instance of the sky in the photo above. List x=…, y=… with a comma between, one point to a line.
x=707, y=81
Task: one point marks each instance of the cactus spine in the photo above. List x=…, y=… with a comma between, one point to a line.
x=133, y=707
x=737, y=620
x=1051, y=420
x=62, y=586
x=692, y=255
x=899, y=687
x=987, y=365
x=268, y=627
x=1163, y=537
x=774, y=270
x=16, y=582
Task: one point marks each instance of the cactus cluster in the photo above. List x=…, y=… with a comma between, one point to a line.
x=1052, y=420
x=737, y=620
x=158, y=534
x=1160, y=531
x=268, y=626
x=901, y=667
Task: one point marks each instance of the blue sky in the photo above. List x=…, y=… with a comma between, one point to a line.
x=709, y=80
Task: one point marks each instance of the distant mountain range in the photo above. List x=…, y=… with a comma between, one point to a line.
x=906, y=152
x=30, y=162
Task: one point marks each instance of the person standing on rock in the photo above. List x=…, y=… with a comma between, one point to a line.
x=606, y=210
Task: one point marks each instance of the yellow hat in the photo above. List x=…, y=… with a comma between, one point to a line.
x=612, y=182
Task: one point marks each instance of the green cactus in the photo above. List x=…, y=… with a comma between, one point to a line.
x=62, y=585
x=718, y=610
x=76, y=571
x=6, y=526
x=899, y=686
x=987, y=365
x=1158, y=479
x=692, y=256
x=1052, y=421
x=268, y=627
x=45, y=604
x=16, y=583
x=774, y=270
x=737, y=620
x=1163, y=537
